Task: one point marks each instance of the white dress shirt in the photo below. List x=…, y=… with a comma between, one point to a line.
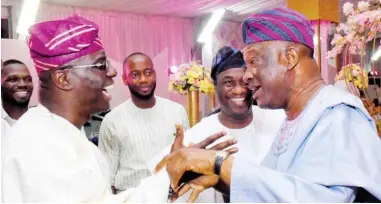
x=6, y=124
x=7, y=118
x=49, y=160
x=130, y=136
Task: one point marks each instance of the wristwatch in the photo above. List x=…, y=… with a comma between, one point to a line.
x=220, y=157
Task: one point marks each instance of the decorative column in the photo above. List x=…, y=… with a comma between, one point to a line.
x=321, y=13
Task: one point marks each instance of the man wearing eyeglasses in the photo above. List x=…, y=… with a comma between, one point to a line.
x=49, y=159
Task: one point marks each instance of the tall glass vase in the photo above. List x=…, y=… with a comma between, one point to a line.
x=212, y=102
x=193, y=107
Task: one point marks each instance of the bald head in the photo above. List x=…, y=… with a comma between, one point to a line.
x=139, y=75
x=135, y=59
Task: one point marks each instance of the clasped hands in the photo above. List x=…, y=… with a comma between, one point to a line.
x=192, y=168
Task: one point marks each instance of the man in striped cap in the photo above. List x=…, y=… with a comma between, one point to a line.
x=326, y=150
x=48, y=159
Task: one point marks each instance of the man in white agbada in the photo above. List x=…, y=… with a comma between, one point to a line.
x=49, y=159
x=252, y=127
x=327, y=149
x=137, y=129
x=16, y=90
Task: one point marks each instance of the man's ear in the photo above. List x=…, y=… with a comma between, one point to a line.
x=61, y=80
x=124, y=78
x=292, y=57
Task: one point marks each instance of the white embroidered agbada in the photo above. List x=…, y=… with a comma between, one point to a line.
x=253, y=141
x=325, y=155
x=49, y=160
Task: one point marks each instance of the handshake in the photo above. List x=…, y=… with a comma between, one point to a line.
x=196, y=167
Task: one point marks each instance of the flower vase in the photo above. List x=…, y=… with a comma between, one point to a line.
x=212, y=102
x=193, y=107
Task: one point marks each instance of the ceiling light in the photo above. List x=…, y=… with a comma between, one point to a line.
x=211, y=25
x=27, y=17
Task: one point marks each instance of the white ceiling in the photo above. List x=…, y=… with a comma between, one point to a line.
x=237, y=9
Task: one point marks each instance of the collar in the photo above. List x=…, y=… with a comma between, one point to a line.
x=4, y=114
x=6, y=117
x=62, y=122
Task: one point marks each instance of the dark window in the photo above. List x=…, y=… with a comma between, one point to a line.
x=5, y=28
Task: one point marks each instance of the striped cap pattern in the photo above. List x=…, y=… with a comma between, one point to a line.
x=55, y=43
x=281, y=24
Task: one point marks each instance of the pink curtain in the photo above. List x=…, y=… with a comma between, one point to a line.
x=167, y=40
x=124, y=33
x=227, y=33
x=328, y=71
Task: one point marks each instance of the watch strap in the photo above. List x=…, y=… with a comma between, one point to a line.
x=218, y=164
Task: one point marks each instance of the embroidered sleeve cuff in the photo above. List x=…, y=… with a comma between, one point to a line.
x=243, y=178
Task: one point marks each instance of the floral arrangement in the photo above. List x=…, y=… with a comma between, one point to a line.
x=191, y=77
x=361, y=27
x=352, y=73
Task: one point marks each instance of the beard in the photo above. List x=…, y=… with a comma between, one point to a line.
x=15, y=102
x=143, y=97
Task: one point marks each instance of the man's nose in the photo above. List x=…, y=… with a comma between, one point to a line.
x=143, y=79
x=239, y=89
x=22, y=83
x=111, y=72
x=248, y=77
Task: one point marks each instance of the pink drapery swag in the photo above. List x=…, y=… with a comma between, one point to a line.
x=123, y=33
x=167, y=40
x=328, y=71
x=228, y=33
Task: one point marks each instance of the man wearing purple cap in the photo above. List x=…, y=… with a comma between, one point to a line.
x=48, y=158
x=327, y=150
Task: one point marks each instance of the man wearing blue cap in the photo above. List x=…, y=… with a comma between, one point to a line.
x=253, y=128
x=327, y=149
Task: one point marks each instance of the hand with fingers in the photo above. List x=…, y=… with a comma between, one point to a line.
x=184, y=160
x=197, y=185
x=191, y=180
x=178, y=143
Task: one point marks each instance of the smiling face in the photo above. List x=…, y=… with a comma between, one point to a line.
x=266, y=73
x=234, y=97
x=140, y=77
x=16, y=84
x=89, y=83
